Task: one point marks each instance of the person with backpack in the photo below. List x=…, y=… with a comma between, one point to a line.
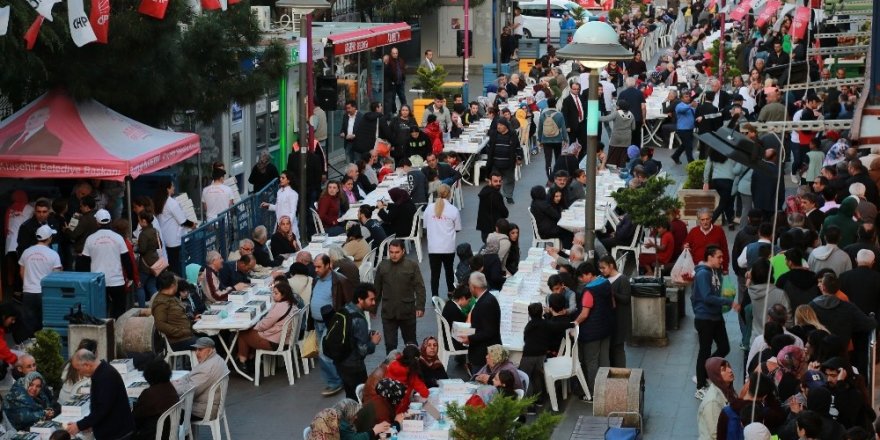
x=348, y=340
x=551, y=134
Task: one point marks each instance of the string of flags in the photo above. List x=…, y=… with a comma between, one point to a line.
x=96, y=26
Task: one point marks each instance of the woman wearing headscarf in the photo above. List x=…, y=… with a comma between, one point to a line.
x=263, y=172
x=497, y=359
x=348, y=411
x=23, y=405
x=792, y=366
x=376, y=408
x=621, y=132
x=719, y=395
x=284, y=239
x=432, y=368
x=324, y=426
x=397, y=217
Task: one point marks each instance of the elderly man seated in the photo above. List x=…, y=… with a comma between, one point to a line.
x=207, y=372
x=245, y=247
x=209, y=279
x=261, y=251
x=236, y=274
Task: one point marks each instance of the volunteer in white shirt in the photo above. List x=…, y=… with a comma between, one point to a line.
x=286, y=202
x=172, y=220
x=36, y=262
x=442, y=221
x=217, y=197
x=109, y=255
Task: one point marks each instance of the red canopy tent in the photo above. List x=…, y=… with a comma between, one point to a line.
x=56, y=137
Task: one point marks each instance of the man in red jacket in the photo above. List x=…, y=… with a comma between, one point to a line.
x=705, y=234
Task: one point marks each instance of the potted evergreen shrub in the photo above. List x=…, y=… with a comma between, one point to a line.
x=499, y=421
x=47, y=353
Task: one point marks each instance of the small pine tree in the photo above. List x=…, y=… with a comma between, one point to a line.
x=498, y=421
x=647, y=205
x=431, y=81
x=47, y=353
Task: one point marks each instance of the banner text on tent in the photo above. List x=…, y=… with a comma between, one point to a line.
x=52, y=169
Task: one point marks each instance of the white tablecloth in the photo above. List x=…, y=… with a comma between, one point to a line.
x=573, y=218
x=380, y=193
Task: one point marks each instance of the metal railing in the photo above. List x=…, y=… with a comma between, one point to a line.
x=223, y=233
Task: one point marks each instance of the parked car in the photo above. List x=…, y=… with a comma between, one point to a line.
x=535, y=17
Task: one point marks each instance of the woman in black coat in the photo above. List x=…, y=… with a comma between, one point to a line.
x=400, y=128
x=546, y=216
x=397, y=218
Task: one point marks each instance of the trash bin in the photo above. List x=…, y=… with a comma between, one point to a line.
x=619, y=390
x=649, y=312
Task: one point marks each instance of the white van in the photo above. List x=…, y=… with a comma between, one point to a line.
x=535, y=17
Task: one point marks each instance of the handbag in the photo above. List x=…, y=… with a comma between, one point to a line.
x=159, y=266
x=382, y=147
x=310, y=345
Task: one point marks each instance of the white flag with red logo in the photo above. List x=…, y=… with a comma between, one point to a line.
x=80, y=29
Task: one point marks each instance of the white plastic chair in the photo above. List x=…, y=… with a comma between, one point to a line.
x=415, y=234
x=359, y=392
x=187, y=397
x=536, y=237
x=563, y=367
x=439, y=303
x=172, y=416
x=306, y=362
x=383, y=249
x=316, y=219
x=171, y=354
x=284, y=350
x=520, y=394
x=367, y=267
x=457, y=196
x=633, y=247
x=213, y=420
x=446, y=347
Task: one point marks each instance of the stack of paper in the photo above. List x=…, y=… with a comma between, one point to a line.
x=77, y=407
x=212, y=315
x=257, y=304
x=238, y=297
x=26, y=436
x=220, y=305
x=45, y=428
x=245, y=313
x=135, y=389
x=460, y=329
x=188, y=207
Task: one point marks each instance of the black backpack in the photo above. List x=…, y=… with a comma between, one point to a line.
x=337, y=342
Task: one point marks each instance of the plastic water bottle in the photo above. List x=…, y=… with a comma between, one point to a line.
x=441, y=422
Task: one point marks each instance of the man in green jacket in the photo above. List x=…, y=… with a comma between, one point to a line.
x=401, y=289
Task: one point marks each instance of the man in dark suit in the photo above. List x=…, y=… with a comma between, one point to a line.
x=351, y=124
x=574, y=110
x=486, y=321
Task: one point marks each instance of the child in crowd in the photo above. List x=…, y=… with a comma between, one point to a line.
x=541, y=338
x=387, y=168
x=405, y=369
x=505, y=384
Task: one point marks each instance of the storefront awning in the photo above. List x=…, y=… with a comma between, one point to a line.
x=366, y=38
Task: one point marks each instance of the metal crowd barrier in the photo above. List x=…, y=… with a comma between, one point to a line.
x=223, y=233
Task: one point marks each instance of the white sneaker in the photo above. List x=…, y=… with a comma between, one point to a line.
x=694, y=379
x=795, y=179
x=700, y=394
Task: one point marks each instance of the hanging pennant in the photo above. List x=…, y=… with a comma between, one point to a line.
x=33, y=32
x=100, y=19
x=741, y=10
x=43, y=7
x=768, y=12
x=211, y=5
x=153, y=8
x=800, y=23
x=4, y=20
x=80, y=29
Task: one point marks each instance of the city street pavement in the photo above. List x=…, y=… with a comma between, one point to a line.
x=276, y=410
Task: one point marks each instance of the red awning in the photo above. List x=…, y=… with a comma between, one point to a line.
x=347, y=43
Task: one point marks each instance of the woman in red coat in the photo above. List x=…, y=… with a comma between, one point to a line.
x=331, y=206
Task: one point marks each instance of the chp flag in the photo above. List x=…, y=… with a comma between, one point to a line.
x=80, y=28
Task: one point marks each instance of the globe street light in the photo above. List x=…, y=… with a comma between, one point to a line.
x=306, y=82
x=593, y=45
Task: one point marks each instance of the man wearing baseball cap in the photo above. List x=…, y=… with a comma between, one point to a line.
x=36, y=262
x=108, y=254
x=207, y=372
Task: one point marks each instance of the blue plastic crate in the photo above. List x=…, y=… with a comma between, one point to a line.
x=63, y=290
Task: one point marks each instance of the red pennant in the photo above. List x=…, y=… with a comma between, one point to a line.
x=100, y=19
x=800, y=23
x=153, y=8
x=740, y=11
x=210, y=5
x=33, y=32
x=769, y=11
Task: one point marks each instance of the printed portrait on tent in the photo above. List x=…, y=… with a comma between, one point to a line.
x=35, y=139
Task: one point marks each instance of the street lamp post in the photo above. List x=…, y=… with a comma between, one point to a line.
x=593, y=45
x=305, y=8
